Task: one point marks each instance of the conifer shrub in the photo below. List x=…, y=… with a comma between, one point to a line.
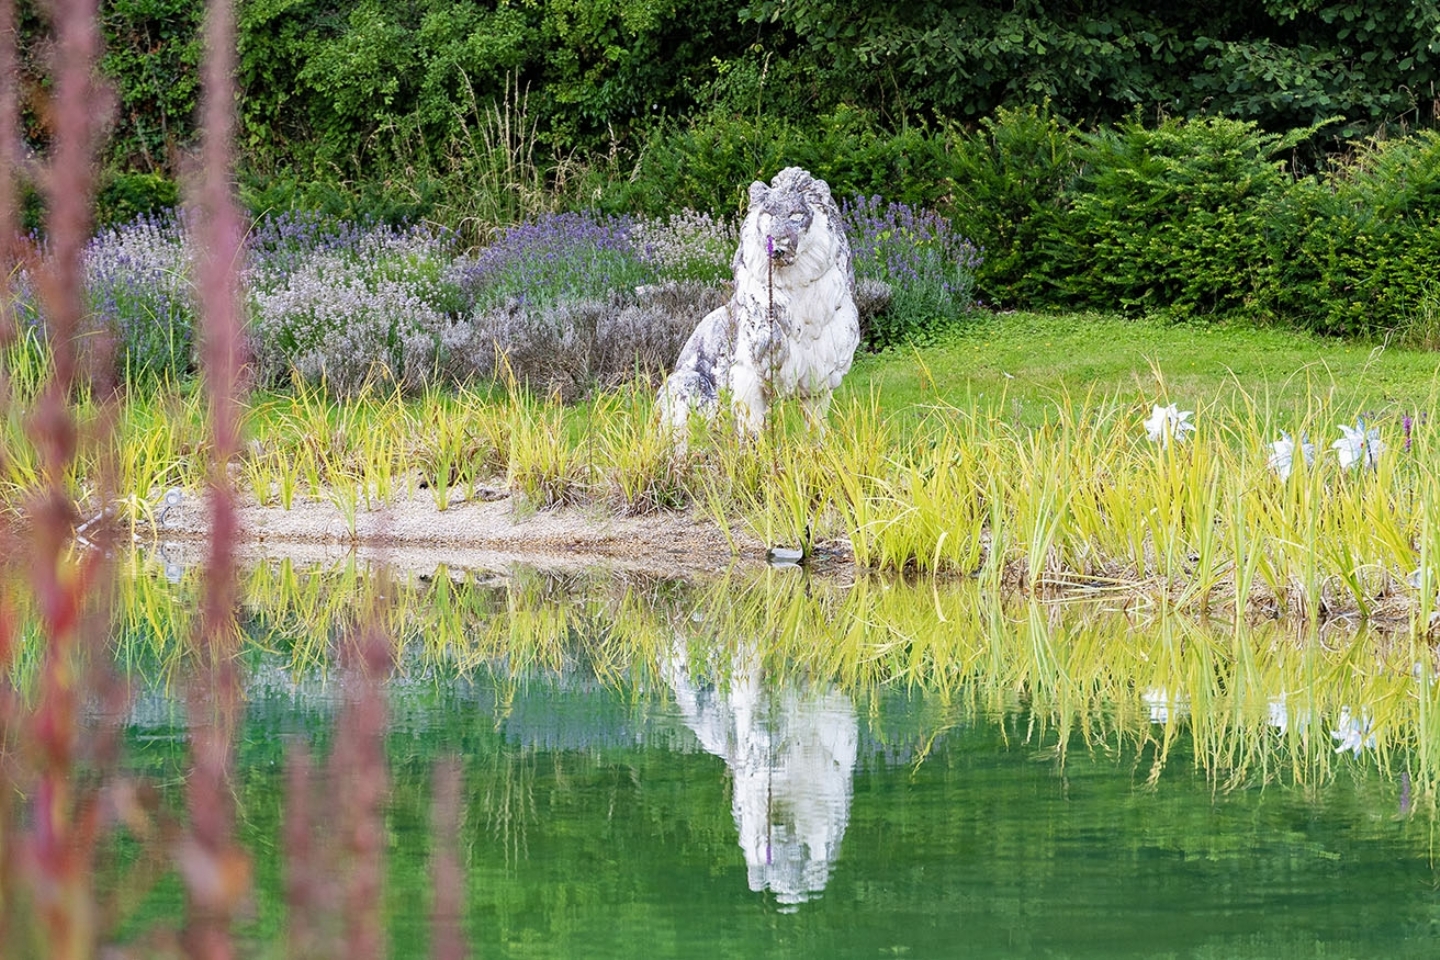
x=1180, y=217
x=1012, y=178
x=1366, y=245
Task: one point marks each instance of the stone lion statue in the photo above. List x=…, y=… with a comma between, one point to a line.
x=791, y=326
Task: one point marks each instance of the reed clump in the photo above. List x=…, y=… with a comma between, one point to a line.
x=1084, y=504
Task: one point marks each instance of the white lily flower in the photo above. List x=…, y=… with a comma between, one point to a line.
x=1162, y=705
x=1358, y=446
x=1282, y=716
x=1353, y=732
x=1167, y=422
x=1282, y=456
x=1279, y=713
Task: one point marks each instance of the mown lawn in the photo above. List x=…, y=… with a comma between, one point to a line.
x=1021, y=364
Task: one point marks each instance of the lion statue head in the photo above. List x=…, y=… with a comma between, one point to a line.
x=794, y=221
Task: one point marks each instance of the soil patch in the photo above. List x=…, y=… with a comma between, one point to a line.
x=488, y=532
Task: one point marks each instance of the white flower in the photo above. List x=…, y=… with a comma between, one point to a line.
x=1358, y=446
x=1167, y=422
x=1279, y=713
x=1162, y=705
x=1353, y=733
x=1282, y=716
x=1282, y=456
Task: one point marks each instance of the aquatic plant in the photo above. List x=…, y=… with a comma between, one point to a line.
x=1075, y=504
x=638, y=470
x=545, y=469
x=1136, y=681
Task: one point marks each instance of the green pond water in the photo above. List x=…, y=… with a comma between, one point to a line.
x=659, y=769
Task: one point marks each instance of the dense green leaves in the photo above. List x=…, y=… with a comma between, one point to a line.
x=1281, y=63
x=1201, y=219
x=1108, y=154
x=709, y=164
x=348, y=86
x=154, y=46
x=1368, y=247
x=352, y=86
x=1178, y=216
x=1011, y=178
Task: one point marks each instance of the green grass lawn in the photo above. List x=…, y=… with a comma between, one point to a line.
x=1021, y=364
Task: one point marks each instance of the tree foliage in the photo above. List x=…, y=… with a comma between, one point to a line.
x=344, y=87
x=1281, y=63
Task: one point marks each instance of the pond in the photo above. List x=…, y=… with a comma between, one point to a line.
x=582, y=764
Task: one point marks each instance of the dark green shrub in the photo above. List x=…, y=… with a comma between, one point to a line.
x=353, y=86
x=125, y=196
x=709, y=164
x=1181, y=217
x=1011, y=178
x=1280, y=63
x=365, y=201
x=1368, y=249
x=152, y=57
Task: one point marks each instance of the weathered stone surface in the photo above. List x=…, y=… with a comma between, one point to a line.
x=791, y=326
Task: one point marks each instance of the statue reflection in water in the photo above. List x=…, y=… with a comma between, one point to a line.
x=791, y=750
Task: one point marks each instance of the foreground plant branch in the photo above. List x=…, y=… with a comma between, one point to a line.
x=66, y=807
x=216, y=870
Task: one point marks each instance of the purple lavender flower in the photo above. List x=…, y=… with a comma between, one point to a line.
x=553, y=259
x=1408, y=425
x=138, y=286
x=930, y=268
x=280, y=243
x=686, y=246
x=342, y=304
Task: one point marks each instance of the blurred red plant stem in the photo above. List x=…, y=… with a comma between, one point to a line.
x=358, y=772
x=304, y=872
x=9, y=547
x=9, y=166
x=335, y=834
x=447, y=935
x=60, y=848
x=216, y=870
x=9, y=741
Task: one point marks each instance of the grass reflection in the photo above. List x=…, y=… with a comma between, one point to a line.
x=1249, y=704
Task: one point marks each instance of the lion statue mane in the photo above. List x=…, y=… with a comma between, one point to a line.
x=790, y=327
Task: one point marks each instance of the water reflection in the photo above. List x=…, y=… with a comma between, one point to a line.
x=979, y=767
x=791, y=749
